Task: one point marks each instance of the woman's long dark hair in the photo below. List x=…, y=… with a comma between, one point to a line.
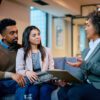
x=26, y=44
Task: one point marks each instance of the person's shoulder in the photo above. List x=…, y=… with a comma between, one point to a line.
x=21, y=49
x=1, y=44
x=47, y=49
x=1, y=47
x=19, y=46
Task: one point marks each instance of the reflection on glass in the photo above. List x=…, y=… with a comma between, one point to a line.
x=38, y=18
x=83, y=39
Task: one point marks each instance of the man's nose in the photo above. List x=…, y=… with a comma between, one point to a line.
x=37, y=37
x=15, y=35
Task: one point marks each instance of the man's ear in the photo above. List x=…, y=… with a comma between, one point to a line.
x=3, y=36
x=0, y=36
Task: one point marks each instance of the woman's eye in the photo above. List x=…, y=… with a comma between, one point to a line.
x=33, y=35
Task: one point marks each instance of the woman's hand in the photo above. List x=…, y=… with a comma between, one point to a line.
x=76, y=64
x=32, y=76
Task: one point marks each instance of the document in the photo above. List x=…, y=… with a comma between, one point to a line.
x=64, y=75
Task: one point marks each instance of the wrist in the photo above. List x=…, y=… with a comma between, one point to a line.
x=8, y=75
x=26, y=72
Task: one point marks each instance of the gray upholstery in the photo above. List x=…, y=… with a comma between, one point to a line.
x=59, y=62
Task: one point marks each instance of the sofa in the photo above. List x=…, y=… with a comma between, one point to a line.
x=60, y=63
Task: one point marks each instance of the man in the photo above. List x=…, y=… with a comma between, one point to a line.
x=8, y=50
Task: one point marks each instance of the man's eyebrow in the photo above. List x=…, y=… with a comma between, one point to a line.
x=14, y=31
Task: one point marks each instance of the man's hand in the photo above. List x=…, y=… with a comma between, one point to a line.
x=76, y=64
x=32, y=76
x=19, y=79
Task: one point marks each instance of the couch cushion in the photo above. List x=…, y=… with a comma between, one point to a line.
x=73, y=70
x=68, y=67
x=59, y=62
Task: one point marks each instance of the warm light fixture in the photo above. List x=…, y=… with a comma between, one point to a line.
x=98, y=7
x=60, y=2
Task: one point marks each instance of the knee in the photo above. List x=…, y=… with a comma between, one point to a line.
x=73, y=94
x=20, y=94
x=70, y=93
x=45, y=89
x=34, y=90
x=20, y=90
x=60, y=93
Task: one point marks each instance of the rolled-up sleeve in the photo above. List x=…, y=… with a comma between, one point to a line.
x=4, y=75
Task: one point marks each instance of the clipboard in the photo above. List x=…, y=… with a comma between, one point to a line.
x=64, y=75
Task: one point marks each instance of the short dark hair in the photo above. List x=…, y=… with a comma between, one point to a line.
x=95, y=19
x=6, y=22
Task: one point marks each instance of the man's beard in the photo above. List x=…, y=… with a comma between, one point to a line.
x=14, y=46
x=14, y=42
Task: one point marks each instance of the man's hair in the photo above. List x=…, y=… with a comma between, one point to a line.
x=95, y=19
x=6, y=22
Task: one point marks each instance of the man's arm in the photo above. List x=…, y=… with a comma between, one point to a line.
x=5, y=74
x=14, y=76
x=2, y=74
x=91, y=67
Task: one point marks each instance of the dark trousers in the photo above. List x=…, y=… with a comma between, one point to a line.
x=39, y=92
x=7, y=86
x=79, y=92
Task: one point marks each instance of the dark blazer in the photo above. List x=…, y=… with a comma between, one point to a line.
x=91, y=67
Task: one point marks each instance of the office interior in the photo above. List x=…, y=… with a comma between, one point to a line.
x=61, y=22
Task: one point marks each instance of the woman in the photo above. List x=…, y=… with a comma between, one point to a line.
x=90, y=65
x=31, y=59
